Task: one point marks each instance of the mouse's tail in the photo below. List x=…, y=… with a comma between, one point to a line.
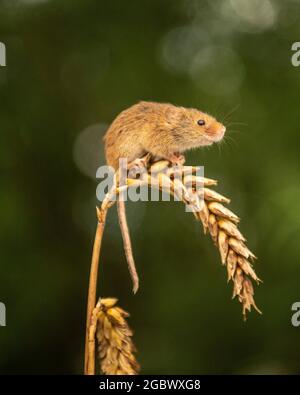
x=127, y=244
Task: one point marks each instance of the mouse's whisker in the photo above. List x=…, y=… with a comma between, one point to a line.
x=236, y=123
x=233, y=131
x=230, y=113
x=229, y=139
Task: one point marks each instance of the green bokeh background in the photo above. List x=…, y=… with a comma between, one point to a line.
x=73, y=64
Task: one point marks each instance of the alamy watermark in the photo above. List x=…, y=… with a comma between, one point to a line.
x=296, y=316
x=295, y=59
x=2, y=54
x=174, y=181
x=2, y=314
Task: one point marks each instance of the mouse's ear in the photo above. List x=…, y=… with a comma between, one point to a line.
x=173, y=114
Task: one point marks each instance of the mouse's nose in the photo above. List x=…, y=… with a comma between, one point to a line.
x=223, y=129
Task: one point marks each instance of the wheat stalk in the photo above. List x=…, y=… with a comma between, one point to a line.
x=115, y=347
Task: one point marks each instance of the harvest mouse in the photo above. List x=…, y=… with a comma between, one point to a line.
x=162, y=130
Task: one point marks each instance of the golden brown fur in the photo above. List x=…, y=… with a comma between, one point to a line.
x=160, y=129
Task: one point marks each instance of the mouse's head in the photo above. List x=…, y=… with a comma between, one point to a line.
x=198, y=128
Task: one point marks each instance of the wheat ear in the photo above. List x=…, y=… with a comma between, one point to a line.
x=221, y=223
x=115, y=347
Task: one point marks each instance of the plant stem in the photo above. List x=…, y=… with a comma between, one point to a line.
x=89, y=365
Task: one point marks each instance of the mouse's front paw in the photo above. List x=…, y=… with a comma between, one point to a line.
x=177, y=159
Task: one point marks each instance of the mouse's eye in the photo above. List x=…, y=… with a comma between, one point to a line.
x=201, y=122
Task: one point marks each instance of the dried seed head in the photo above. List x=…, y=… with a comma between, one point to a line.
x=115, y=346
x=222, y=227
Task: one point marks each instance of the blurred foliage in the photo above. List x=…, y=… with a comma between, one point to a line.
x=72, y=66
